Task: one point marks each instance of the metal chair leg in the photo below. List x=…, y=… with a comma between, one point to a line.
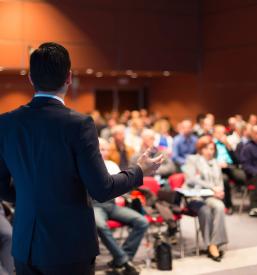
x=197, y=236
x=241, y=207
x=181, y=243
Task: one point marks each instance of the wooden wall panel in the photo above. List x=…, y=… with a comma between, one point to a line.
x=229, y=71
x=104, y=35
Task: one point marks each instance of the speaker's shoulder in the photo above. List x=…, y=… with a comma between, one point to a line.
x=78, y=117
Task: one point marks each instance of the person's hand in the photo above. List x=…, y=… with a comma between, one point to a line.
x=224, y=140
x=223, y=165
x=149, y=165
x=218, y=193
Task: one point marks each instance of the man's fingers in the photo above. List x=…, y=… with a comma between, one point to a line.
x=148, y=152
x=158, y=159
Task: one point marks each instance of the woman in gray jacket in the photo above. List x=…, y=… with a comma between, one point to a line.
x=202, y=171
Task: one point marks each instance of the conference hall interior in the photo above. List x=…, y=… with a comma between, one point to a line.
x=179, y=76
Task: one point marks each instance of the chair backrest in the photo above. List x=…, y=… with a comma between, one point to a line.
x=151, y=184
x=176, y=180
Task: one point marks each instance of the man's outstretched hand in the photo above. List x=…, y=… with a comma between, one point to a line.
x=149, y=165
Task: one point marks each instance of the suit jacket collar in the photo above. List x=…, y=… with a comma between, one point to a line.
x=44, y=101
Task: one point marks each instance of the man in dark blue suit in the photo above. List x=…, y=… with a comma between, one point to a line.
x=52, y=154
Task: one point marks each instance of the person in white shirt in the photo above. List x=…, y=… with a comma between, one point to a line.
x=122, y=256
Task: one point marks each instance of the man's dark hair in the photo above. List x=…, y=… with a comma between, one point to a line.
x=49, y=67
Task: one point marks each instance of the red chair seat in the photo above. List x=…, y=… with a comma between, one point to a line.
x=151, y=219
x=114, y=224
x=251, y=187
x=177, y=217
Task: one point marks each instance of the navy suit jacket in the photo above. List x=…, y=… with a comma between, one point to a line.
x=52, y=155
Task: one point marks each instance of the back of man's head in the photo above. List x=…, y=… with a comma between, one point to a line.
x=49, y=67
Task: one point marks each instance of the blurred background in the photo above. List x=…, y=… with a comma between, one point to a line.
x=177, y=57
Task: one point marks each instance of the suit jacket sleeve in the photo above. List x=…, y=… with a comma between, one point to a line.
x=100, y=185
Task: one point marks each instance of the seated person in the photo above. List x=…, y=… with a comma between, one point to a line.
x=167, y=167
x=207, y=128
x=249, y=163
x=120, y=152
x=184, y=143
x=202, y=170
x=226, y=159
x=6, y=260
x=122, y=256
x=237, y=135
x=163, y=139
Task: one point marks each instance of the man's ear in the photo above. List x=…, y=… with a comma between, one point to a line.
x=30, y=80
x=68, y=81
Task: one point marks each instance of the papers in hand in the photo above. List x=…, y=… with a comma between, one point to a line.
x=195, y=192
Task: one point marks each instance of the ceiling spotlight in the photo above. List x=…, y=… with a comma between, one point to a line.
x=89, y=71
x=129, y=72
x=1, y=69
x=166, y=73
x=23, y=72
x=99, y=74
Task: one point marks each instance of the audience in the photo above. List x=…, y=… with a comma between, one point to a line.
x=122, y=256
x=215, y=157
x=203, y=171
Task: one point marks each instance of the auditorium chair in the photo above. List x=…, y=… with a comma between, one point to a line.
x=116, y=225
x=247, y=188
x=176, y=181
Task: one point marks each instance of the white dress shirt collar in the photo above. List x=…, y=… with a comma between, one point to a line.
x=50, y=96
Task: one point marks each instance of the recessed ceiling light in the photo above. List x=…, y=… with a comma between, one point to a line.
x=129, y=72
x=23, y=72
x=99, y=74
x=166, y=73
x=89, y=71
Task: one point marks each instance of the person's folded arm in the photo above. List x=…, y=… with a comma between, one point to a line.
x=7, y=190
x=192, y=175
x=100, y=185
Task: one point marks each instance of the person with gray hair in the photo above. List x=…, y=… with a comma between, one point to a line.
x=148, y=139
x=236, y=137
